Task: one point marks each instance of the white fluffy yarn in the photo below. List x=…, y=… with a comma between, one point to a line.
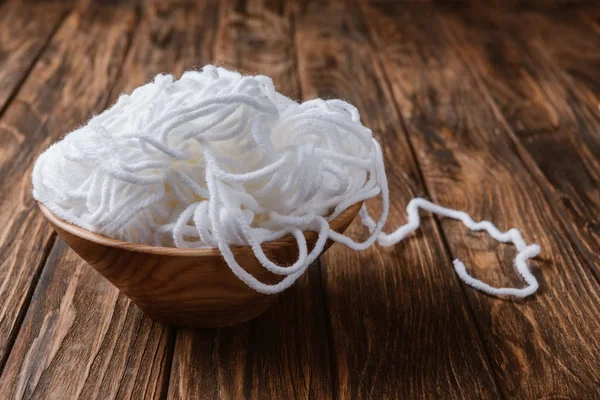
x=217, y=158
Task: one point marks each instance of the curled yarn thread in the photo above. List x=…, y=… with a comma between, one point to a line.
x=217, y=159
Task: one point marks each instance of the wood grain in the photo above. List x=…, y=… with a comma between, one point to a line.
x=82, y=340
x=409, y=315
x=25, y=30
x=173, y=36
x=67, y=83
x=257, y=37
x=283, y=353
x=71, y=343
x=469, y=162
x=544, y=90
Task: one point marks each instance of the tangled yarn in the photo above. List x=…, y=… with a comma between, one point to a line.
x=217, y=159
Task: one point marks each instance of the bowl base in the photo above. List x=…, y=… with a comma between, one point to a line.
x=204, y=320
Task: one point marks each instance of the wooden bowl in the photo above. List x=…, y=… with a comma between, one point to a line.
x=186, y=287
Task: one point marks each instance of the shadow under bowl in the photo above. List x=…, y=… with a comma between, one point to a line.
x=187, y=287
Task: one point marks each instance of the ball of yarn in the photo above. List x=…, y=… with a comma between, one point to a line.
x=217, y=159
x=146, y=170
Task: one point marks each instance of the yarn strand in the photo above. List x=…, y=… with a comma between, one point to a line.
x=525, y=251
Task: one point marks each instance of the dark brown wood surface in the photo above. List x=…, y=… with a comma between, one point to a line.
x=447, y=112
x=490, y=109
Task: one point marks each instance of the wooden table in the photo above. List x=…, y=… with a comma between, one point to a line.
x=494, y=111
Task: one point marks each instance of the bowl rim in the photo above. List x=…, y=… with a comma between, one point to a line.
x=345, y=217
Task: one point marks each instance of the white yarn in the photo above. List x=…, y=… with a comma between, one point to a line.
x=217, y=159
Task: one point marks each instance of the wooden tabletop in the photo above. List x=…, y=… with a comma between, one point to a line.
x=493, y=111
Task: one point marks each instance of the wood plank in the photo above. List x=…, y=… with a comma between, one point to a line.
x=79, y=337
x=400, y=326
x=34, y=118
x=544, y=346
x=547, y=92
x=283, y=353
x=257, y=37
x=519, y=6
x=25, y=30
x=173, y=36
